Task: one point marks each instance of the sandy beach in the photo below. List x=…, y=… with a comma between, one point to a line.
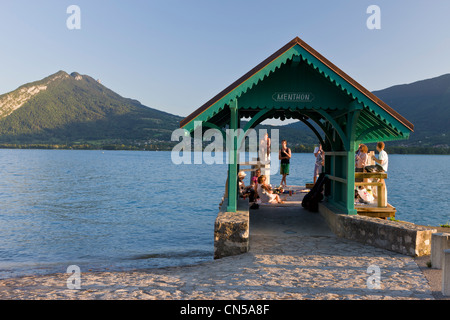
x=289, y=258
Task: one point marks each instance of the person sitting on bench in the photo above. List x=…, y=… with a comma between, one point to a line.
x=383, y=158
x=245, y=191
x=265, y=192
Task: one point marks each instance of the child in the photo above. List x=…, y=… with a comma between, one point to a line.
x=265, y=192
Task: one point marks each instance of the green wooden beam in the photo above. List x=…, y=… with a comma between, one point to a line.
x=257, y=118
x=352, y=120
x=213, y=126
x=302, y=119
x=325, y=130
x=338, y=113
x=361, y=136
x=233, y=159
x=335, y=126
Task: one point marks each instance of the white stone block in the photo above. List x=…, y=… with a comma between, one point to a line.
x=439, y=243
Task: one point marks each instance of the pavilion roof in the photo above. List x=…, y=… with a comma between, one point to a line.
x=377, y=122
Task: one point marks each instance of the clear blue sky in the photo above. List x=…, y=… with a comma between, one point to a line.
x=176, y=55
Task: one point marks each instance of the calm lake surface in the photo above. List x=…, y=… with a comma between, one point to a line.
x=123, y=210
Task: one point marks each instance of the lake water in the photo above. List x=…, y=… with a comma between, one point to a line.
x=122, y=210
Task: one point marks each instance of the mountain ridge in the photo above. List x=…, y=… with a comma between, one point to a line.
x=73, y=108
x=426, y=103
x=63, y=107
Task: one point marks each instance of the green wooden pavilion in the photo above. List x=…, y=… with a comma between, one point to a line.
x=296, y=82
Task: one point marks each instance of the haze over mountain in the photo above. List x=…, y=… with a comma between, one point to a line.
x=69, y=109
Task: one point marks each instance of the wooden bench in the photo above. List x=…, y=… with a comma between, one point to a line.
x=255, y=165
x=383, y=209
x=376, y=212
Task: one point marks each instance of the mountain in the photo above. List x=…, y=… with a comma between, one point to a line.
x=426, y=104
x=63, y=108
x=73, y=109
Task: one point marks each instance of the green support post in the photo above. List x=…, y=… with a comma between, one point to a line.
x=352, y=120
x=233, y=159
x=351, y=181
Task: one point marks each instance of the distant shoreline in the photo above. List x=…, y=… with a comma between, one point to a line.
x=167, y=146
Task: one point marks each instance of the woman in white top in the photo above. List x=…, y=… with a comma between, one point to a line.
x=265, y=192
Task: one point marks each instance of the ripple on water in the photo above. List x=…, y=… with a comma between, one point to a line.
x=122, y=209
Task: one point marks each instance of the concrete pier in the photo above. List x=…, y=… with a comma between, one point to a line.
x=402, y=237
x=292, y=254
x=286, y=220
x=231, y=231
x=446, y=273
x=439, y=243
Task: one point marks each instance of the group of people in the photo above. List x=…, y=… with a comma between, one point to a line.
x=362, y=164
x=362, y=159
x=260, y=189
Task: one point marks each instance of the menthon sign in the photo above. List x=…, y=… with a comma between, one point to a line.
x=293, y=96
